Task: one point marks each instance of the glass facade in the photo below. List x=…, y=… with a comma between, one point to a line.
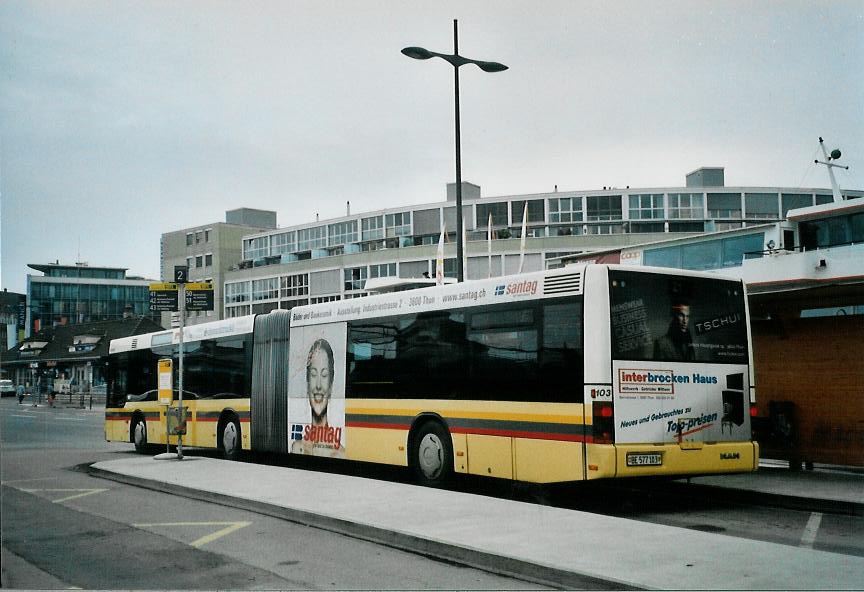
x=342, y=233
x=398, y=224
x=311, y=238
x=285, y=242
x=686, y=206
x=647, y=206
x=565, y=209
x=372, y=228
x=66, y=304
x=603, y=207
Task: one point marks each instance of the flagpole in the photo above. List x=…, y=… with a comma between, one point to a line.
x=439, y=258
x=489, y=243
x=524, y=232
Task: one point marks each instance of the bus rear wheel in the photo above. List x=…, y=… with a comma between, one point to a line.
x=139, y=435
x=432, y=455
x=230, y=439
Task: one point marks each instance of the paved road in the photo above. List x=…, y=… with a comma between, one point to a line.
x=63, y=528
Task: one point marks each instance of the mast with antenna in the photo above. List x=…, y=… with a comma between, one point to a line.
x=835, y=154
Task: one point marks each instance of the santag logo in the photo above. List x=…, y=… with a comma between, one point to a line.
x=296, y=431
x=499, y=290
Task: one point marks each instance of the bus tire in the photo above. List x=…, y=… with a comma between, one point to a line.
x=431, y=457
x=139, y=434
x=230, y=440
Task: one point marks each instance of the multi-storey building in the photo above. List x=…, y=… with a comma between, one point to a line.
x=209, y=250
x=332, y=259
x=70, y=294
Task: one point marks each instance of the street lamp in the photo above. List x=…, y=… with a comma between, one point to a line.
x=419, y=53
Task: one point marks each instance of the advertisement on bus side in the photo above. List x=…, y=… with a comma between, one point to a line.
x=316, y=390
x=663, y=402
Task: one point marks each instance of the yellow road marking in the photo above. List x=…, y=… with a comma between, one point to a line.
x=81, y=493
x=229, y=528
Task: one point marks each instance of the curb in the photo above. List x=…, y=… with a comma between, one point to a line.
x=501, y=565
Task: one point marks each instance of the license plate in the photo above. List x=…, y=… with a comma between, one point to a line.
x=644, y=459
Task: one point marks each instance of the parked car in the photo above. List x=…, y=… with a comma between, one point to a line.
x=7, y=389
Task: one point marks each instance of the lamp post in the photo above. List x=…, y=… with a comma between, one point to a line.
x=419, y=53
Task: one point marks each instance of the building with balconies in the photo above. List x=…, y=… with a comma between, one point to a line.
x=332, y=259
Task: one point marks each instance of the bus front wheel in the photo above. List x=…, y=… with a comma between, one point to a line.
x=229, y=439
x=432, y=455
x=139, y=435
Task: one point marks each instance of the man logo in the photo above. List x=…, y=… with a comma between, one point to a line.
x=730, y=456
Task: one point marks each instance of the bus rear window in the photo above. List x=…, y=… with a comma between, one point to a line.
x=677, y=319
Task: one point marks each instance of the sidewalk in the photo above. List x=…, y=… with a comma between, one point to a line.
x=548, y=545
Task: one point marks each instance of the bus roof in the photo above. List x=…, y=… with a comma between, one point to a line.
x=224, y=328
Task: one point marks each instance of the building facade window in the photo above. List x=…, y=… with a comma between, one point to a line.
x=763, y=206
x=792, y=201
x=603, y=207
x=647, y=206
x=355, y=278
x=536, y=211
x=207, y=235
x=189, y=239
x=398, y=224
x=294, y=285
x=255, y=248
x=686, y=206
x=498, y=212
x=289, y=304
x=320, y=299
x=311, y=238
x=236, y=311
x=341, y=233
x=265, y=289
x=372, y=228
x=565, y=209
x=282, y=243
x=724, y=205
x=237, y=292
x=382, y=270
x=449, y=268
x=208, y=260
x=199, y=261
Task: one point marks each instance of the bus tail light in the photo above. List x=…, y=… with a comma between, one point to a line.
x=603, y=422
x=753, y=410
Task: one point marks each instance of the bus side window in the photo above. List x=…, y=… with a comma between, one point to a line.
x=561, y=361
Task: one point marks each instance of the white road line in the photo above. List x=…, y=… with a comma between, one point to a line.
x=69, y=418
x=811, y=530
x=24, y=416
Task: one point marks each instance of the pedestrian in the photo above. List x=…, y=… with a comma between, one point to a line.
x=20, y=391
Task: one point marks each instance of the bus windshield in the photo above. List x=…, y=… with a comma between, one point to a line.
x=664, y=318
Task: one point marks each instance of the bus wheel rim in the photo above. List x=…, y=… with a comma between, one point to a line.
x=430, y=456
x=229, y=438
x=140, y=433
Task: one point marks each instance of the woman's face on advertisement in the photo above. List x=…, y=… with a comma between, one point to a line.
x=318, y=382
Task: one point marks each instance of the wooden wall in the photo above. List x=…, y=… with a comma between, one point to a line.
x=818, y=365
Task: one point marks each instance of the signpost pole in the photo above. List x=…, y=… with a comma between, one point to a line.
x=182, y=301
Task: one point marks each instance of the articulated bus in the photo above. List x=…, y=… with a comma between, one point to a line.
x=579, y=373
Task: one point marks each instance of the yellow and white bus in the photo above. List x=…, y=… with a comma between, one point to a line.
x=580, y=373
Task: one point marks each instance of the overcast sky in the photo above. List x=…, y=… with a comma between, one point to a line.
x=120, y=121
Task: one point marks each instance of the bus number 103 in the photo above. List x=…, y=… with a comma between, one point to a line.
x=601, y=393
